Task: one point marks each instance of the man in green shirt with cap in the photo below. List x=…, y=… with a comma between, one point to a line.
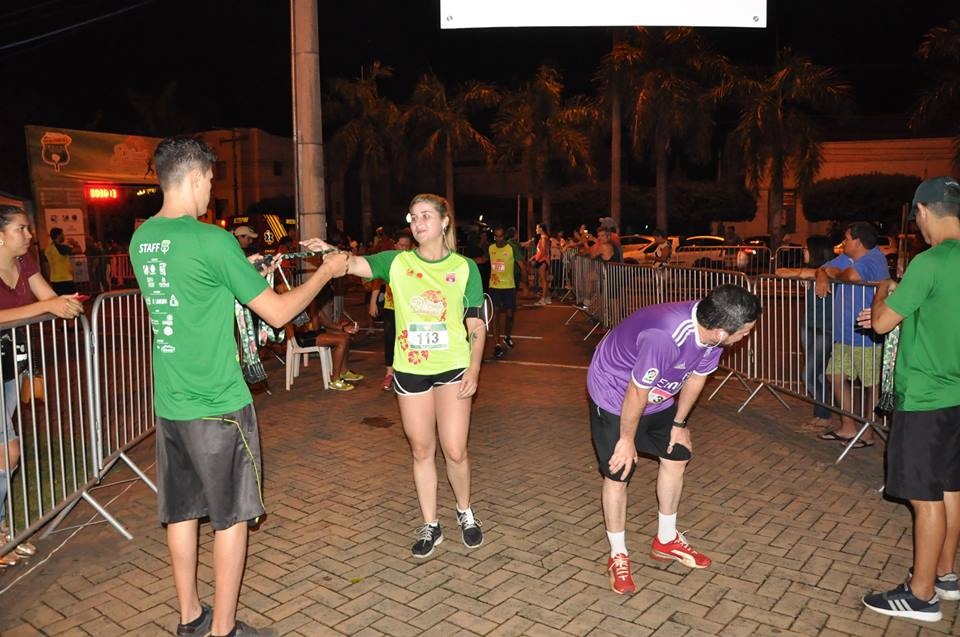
x=923, y=452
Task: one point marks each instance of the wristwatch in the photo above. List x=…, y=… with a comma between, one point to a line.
x=680, y=425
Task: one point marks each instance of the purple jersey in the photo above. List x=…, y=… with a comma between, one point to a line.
x=656, y=348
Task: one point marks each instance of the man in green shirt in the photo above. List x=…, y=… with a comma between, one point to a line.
x=923, y=452
x=208, y=444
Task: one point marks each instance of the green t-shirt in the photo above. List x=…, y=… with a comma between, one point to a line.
x=928, y=358
x=189, y=274
x=429, y=299
x=502, y=261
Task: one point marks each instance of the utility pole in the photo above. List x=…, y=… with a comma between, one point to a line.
x=307, y=120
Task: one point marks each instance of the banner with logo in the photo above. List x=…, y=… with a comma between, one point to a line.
x=60, y=155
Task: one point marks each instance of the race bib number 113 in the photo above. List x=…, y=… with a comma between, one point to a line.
x=427, y=335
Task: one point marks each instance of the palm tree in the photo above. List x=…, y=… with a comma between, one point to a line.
x=542, y=133
x=613, y=78
x=670, y=81
x=779, y=129
x=941, y=103
x=443, y=124
x=368, y=136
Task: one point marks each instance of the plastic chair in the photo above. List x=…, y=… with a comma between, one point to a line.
x=295, y=351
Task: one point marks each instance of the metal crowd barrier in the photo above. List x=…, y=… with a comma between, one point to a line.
x=796, y=351
x=48, y=399
x=121, y=340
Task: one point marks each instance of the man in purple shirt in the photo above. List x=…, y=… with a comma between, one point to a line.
x=653, y=355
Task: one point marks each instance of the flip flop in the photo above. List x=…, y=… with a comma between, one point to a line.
x=832, y=435
x=862, y=444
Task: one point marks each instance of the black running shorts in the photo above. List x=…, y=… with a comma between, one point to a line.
x=210, y=467
x=652, y=438
x=923, y=454
x=406, y=384
x=504, y=298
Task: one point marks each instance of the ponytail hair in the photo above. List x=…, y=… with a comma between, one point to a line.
x=440, y=204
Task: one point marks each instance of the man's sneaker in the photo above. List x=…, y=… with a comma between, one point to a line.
x=351, y=377
x=621, y=581
x=340, y=385
x=200, y=626
x=242, y=630
x=680, y=551
x=901, y=602
x=428, y=536
x=947, y=586
x=498, y=351
x=508, y=341
x=470, y=529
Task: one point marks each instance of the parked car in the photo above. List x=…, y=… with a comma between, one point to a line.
x=700, y=251
x=633, y=246
x=639, y=248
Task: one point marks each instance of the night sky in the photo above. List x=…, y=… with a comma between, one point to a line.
x=231, y=60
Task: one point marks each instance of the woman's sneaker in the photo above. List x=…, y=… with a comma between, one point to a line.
x=200, y=626
x=470, y=529
x=351, y=377
x=901, y=602
x=428, y=537
x=340, y=385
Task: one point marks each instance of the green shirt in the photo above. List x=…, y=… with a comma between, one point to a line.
x=189, y=274
x=928, y=358
x=429, y=299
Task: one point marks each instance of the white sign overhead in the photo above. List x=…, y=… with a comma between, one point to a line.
x=476, y=14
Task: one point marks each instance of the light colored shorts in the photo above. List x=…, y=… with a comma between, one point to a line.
x=854, y=362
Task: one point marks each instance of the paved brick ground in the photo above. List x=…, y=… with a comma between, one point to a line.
x=795, y=539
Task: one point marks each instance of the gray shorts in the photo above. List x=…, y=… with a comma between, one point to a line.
x=210, y=468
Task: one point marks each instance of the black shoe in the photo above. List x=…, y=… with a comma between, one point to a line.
x=901, y=602
x=498, y=351
x=470, y=528
x=508, y=341
x=428, y=536
x=200, y=626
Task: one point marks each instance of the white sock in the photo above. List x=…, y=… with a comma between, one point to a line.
x=618, y=543
x=667, y=527
x=459, y=510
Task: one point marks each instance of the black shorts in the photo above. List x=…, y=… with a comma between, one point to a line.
x=210, y=467
x=406, y=384
x=923, y=454
x=652, y=438
x=504, y=298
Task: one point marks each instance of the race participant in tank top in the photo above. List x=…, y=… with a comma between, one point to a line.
x=503, y=290
x=438, y=303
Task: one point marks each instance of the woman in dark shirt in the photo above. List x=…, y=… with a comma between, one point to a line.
x=24, y=294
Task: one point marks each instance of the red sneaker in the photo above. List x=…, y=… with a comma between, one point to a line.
x=620, y=579
x=679, y=550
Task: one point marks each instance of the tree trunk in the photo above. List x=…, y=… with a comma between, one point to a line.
x=531, y=224
x=661, y=160
x=448, y=172
x=545, y=209
x=366, y=201
x=775, y=202
x=615, y=151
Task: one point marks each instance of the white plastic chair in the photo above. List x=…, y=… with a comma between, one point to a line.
x=294, y=352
